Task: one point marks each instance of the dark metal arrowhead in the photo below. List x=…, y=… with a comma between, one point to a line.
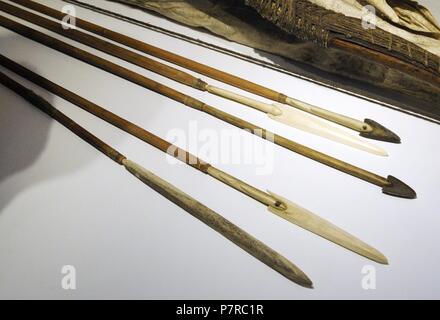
x=379, y=132
x=399, y=189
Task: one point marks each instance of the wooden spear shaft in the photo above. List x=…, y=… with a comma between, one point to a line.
x=390, y=185
x=213, y=73
x=209, y=217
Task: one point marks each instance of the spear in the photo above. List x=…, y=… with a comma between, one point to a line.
x=378, y=133
x=367, y=128
x=390, y=185
x=209, y=217
x=275, y=204
x=275, y=111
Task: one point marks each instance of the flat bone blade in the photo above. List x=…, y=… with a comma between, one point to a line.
x=300, y=120
x=311, y=222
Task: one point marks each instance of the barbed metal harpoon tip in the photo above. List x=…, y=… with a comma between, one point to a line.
x=379, y=132
x=399, y=189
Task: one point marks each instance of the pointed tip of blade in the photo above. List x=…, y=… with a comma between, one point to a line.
x=309, y=286
x=304, y=282
x=384, y=261
x=380, y=152
x=380, y=133
x=378, y=257
x=290, y=271
x=399, y=189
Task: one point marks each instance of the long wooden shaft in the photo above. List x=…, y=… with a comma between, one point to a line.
x=189, y=101
x=209, y=217
x=140, y=133
x=200, y=68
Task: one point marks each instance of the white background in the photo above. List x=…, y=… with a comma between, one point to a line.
x=63, y=203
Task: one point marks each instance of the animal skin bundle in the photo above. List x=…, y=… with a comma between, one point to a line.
x=314, y=20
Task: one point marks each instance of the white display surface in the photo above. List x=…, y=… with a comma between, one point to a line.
x=64, y=203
